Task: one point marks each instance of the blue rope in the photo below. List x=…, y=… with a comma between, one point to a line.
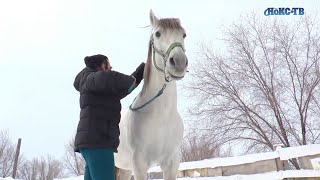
x=148, y=102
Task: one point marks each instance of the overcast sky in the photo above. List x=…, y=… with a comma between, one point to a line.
x=43, y=43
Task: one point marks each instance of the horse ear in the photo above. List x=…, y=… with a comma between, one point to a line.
x=178, y=20
x=153, y=19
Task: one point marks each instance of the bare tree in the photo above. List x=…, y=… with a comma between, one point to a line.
x=74, y=162
x=29, y=170
x=195, y=148
x=43, y=168
x=7, y=154
x=264, y=88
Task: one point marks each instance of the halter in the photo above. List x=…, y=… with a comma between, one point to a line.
x=164, y=56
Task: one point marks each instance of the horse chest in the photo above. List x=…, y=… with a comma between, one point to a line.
x=156, y=134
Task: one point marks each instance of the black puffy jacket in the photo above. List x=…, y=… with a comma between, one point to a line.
x=100, y=95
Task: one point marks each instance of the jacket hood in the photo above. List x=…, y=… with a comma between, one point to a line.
x=77, y=80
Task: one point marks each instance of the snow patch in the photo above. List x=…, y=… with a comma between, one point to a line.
x=299, y=151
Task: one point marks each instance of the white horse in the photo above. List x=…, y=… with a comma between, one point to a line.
x=152, y=131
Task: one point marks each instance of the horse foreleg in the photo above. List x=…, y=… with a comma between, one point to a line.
x=140, y=166
x=170, y=167
x=124, y=174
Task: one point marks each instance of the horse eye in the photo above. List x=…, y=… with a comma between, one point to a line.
x=158, y=34
x=184, y=35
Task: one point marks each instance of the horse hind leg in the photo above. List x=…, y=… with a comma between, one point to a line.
x=122, y=174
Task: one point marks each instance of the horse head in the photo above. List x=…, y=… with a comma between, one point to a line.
x=167, y=46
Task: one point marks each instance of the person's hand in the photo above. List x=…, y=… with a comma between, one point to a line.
x=138, y=74
x=140, y=70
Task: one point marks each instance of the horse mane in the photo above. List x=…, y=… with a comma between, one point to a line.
x=164, y=23
x=147, y=68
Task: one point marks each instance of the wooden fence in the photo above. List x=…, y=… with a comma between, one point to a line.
x=308, y=157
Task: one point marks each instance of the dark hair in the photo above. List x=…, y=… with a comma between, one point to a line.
x=95, y=61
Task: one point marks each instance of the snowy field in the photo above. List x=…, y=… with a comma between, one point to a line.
x=266, y=176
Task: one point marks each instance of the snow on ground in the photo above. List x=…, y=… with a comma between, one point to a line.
x=72, y=178
x=265, y=176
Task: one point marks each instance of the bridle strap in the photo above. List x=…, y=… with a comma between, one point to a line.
x=171, y=47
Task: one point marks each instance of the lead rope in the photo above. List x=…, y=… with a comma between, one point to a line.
x=148, y=102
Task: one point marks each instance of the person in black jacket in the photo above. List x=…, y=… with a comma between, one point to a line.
x=101, y=90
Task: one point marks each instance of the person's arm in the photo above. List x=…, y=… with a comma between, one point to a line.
x=126, y=84
x=114, y=82
x=133, y=86
x=121, y=84
x=98, y=82
x=138, y=76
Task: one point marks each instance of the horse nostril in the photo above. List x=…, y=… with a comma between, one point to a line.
x=172, y=63
x=187, y=62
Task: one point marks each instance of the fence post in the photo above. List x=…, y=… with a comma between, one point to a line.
x=279, y=163
x=16, y=159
